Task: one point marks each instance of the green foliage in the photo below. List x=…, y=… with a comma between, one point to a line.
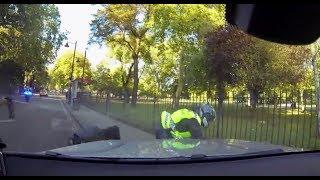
x=125, y=27
x=238, y=59
x=11, y=74
x=61, y=72
x=190, y=49
x=179, y=30
x=158, y=73
x=41, y=79
x=105, y=81
x=30, y=35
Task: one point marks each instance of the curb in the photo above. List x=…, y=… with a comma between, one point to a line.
x=124, y=122
x=73, y=116
x=120, y=120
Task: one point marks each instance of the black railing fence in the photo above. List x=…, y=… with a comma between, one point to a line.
x=283, y=118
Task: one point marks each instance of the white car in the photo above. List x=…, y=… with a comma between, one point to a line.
x=43, y=93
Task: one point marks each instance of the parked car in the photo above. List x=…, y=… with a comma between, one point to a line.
x=43, y=93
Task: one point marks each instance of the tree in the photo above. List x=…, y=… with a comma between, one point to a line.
x=223, y=51
x=125, y=26
x=60, y=73
x=183, y=28
x=158, y=72
x=29, y=35
x=124, y=72
x=239, y=59
x=101, y=79
x=106, y=81
x=11, y=74
x=41, y=79
x=315, y=64
x=268, y=66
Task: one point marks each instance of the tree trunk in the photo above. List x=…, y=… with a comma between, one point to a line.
x=293, y=103
x=253, y=98
x=301, y=104
x=221, y=92
x=179, y=86
x=97, y=95
x=107, y=101
x=316, y=80
x=126, y=95
x=125, y=83
x=177, y=95
x=209, y=93
x=135, y=80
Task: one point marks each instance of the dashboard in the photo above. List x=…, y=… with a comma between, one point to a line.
x=298, y=163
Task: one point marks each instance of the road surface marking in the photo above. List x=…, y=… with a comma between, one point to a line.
x=20, y=102
x=50, y=98
x=6, y=121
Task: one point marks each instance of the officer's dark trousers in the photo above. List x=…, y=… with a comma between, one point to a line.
x=163, y=134
x=10, y=108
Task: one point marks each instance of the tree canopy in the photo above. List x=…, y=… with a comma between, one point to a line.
x=178, y=49
x=61, y=72
x=30, y=36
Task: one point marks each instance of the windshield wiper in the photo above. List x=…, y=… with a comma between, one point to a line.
x=200, y=157
x=267, y=152
x=55, y=154
x=203, y=156
x=176, y=159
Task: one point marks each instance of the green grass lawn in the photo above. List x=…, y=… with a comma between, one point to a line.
x=277, y=125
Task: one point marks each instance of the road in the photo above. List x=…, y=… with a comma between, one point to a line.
x=42, y=124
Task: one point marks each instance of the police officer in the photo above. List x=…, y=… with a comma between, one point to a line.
x=10, y=106
x=185, y=123
x=27, y=94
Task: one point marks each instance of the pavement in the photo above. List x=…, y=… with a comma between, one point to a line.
x=42, y=124
x=47, y=123
x=87, y=117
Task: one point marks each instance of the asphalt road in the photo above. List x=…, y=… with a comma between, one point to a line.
x=42, y=124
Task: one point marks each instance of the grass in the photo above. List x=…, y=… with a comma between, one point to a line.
x=277, y=125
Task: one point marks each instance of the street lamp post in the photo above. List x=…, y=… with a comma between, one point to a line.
x=84, y=64
x=71, y=74
x=83, y=68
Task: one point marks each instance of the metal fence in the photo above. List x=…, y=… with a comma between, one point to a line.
x=278, y=118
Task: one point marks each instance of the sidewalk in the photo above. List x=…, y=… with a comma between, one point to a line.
x=87, y=117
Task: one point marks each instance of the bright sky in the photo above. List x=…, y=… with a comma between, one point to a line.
x=76, y=18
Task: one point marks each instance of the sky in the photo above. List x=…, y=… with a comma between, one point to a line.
x=76, y=18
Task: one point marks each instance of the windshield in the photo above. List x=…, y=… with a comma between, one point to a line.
x=150, y=81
